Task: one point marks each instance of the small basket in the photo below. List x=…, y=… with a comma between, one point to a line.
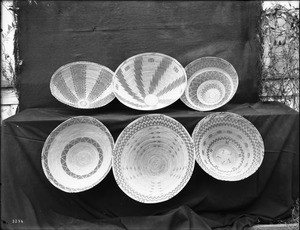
x=83, y=85
x=212, y=82
x=227, y=146
x=149, y=81
x=77, y=154
x=153, y=158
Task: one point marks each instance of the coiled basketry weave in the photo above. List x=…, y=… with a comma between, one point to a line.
x=84, y=85
x=228, y=146
x=77, y=154
x=153, y=158
x=212, y=82
x=149, y=81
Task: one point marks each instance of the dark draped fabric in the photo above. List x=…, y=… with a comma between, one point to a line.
x=204, y=203
x=54, y=33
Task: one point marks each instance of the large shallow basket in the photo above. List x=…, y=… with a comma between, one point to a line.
x=153, y=158
x=228, y=146
x=77, y=154
x=149, y=81
x=84, y=85
x=212, y=82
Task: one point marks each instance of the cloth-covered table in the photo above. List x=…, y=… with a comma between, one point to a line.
x=30, y=201
x=54, y=33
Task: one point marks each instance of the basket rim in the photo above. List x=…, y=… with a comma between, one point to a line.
x=81, y=62
x=145, y=54
x=216, y=175
x=56, y=129
x=234, y=90
x=188, y=154
x=65, y=66
x=212, y=58
x=213, y=107
x=218, y=59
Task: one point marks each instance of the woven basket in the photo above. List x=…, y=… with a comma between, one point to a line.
x=228, y=146
x=153, y=158
x=149, y=81
x=212, y=82
x=84, y=85
x=77, y=154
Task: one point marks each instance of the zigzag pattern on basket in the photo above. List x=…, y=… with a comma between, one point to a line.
x=154, y=74
x=197, y=69
x=208, y=62
x=82, y=85
x=155, y=121
x=239, y=125
x=236, y=126
x=158, y=74
x=52, y=136
x=69, y=146
x=178, y=82
x=206, y=76
x=126, y=87
x=210, y=86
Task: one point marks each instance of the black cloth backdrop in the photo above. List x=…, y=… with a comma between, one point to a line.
x=54, y=33
x=204, y=203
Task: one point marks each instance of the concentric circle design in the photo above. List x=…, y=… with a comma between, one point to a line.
x=77, y=154
x=84, y=85
x=228, y=146
x=212, y=82
x=208, y=92
x=149, y=81
x=153, y=158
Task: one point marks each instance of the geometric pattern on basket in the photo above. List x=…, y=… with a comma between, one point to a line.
x=149, y=81
x=78, y=73
x=152, y=123
x=227, y=141
x=82, y=85
x=211, y=86
x=204, y=77
x=212, y=62
x=70, y=145
x=51, y=138
x=242, y=133
x=208, y=64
